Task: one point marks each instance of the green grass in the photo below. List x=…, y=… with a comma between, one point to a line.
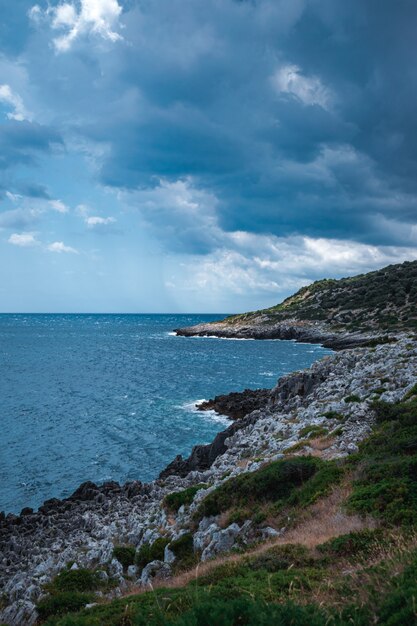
x=279, y=586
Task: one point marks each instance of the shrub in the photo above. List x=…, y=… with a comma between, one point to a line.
x=361, y=543
x=352, y=398
x=334, y=415
x=173, y=501
x=61, y=603
x=183, y=546
x=313, y=431
x=327, y=475
x=281, y=558
x=125, y=555
x=272, y=482
x=387, y=481
x=394, y=500
x=151, y=552
x=411, y=393
x=75, y=580
x=385, y=411
x=238, y=516
x=258, y=517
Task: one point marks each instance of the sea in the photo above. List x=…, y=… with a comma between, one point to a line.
x=113, y=397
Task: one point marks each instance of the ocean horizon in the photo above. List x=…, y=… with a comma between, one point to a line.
x=112, y=396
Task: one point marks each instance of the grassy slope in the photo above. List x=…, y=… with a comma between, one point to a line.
x=385, y=299
x=362, y=577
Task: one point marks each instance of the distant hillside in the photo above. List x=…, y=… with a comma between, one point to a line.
x=382, y=300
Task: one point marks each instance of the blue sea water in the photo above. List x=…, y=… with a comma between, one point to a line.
x=111, y=397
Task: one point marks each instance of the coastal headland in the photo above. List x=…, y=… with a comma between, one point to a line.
x=284, y=513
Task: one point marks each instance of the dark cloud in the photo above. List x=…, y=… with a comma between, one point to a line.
x=297, y=115
x=21, y=141
x=32, y=190
x=319, y=158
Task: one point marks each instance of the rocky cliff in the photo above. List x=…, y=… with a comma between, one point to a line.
x=325, y=411
x=336, y=313
x=236, y=492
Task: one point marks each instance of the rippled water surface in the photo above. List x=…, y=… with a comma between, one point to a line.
x=99, y=397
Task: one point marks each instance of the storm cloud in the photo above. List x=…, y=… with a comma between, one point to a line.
x=217, y=129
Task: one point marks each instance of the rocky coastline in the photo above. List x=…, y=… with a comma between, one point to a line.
x=334, y=395
x=261, y=327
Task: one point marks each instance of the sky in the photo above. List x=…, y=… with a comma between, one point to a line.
x=202, y=155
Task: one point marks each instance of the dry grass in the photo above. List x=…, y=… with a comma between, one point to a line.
x=321, y=443
x=320, y=522
x=326, y=519
x=395, y=554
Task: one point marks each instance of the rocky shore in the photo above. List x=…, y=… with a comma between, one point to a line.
x=260, y=327
x=334, y=396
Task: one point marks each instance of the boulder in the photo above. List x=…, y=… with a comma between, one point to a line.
x=155, y=570
x=222, y=541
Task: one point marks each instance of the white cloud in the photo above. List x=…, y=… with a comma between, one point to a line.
x=310, y=90
x=35, y=13
x=98, y=221
x=12, y=99
x=58, y=206
x=89, y=17
x=23, y=240
x=59, y=246
x=13, y=197
x=254, y=266
x=179, y=213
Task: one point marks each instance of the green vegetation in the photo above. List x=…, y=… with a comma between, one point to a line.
x=173, y=501
x=69, y=591
x=151, y=552
x=62, y=603
x=75, y=580
x=288, y=585
x=361, y=543
x=293, y=482
x=293, y=584
x=125, y=555
x=411, y=393
x=296, y=447
x=334, y=415
x=313, y=431
x=352, y=398
x=383, y=300
x=272, y=482
x=386, y=485
x=183, y=549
